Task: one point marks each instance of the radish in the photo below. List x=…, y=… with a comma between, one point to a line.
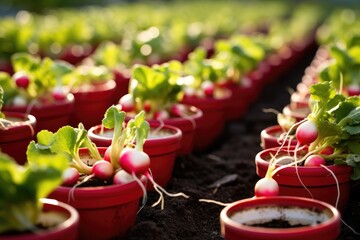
x=102, y=169
x=327, y=151
x=314, y=161
x=306, y=132
x=208, y=88
x=353, y=89
x=266, y=187
x=122, y=177
x=21, y=80
x=147, y=106
x=134, y=161
x=70, y=177
x=161, y=114
x=58, y=93
x=127, y=103
x=177, y=110
x=107, y=154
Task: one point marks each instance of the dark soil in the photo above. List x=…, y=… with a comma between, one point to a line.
x=277, y=224
x=226, y=173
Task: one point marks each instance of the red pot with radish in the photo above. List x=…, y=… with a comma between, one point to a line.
x=161, y=145
x=274, y=136
x=305, y=181
x=106, y=212
x=49, y=116
x=91, y=103
x=68, y=228
x=16, y=132
x=213, y=122
x=189, y=121
x=280, y=217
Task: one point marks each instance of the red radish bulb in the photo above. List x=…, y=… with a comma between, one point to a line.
x=107, y=154
x=306, y=132
x=266, y=187
x=208, y=88
x=70, y=177
x=134, y=161
x=327, y=151
x=58, y=93
x=314, y=161
x=122, y=177
x=147, y=106
x=21, y=80
x=103, y=169
x=177, y=110
x=353, y=89
x=161, y=114
x=126, y=102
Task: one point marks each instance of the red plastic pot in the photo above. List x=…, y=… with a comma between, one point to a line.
x=74, y=54
x=298, y=101
x=317, y=180
x=91, y=103
x=299, y=113
x=237, y=220
x=106, y=212
x=49, y=116
x=6, y=66
x=161, y=149
x=241, y=97
x=213, y=122
x=189, y=127
x=69, y=229
x=15, y=138
x=122, y=80
x=271, y=137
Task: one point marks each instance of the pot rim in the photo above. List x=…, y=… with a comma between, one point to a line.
x=267, y=133
x=189, y=124
x=284, y=201
x=22, y=129
x=74, y=217
x=175, y=135
x=339, y=169
x=47, y=109
x=70, y=224
x=293, y=113
x=210, y=103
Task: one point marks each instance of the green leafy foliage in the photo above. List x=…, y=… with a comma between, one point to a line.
x=338, y=122
x=23, y=186
x=156, y=85
x=66, y=142
x=203, y=68
x=343, y=68
x=239, y=55
x=44, y=75
x=133, y=133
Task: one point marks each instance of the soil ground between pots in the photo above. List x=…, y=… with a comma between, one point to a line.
x=225, y=173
